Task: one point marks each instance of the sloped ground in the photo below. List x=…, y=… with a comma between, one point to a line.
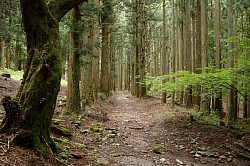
x=125, y=131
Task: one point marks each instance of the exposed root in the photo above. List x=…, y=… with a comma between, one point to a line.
x=5, y=149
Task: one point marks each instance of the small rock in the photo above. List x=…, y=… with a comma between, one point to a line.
x=197, y=155
x=193, y=141
x=229, y=159
x=204, y=162
x=222, y=157
x=192, y=152
x=202, y=148
x=162, y=160
x=102, y=161
x=179, y=162
x=182, y=147
x=84, y=131
x=167, y=163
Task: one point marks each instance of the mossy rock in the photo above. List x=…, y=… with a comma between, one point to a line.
x=60, y=140
x=81, y=146
x=157, y=150
x=59, y=130
x=237, y=134
x=78, y=122
x=97, y=129
x=56, y=121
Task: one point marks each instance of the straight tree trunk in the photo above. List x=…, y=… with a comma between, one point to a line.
x=205, y=102
x=137, y=52
x=173, y=47
x=105, y=77
x=218, y=98
x=188, y=48
x=73, y=96
x=164, y=54
x=8, y=55
x=2, y=53
x=198, y=54
x=17, y=53
x=232, y=113
x=143, y=91
x=95, y=61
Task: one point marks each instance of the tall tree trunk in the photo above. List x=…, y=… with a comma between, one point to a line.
x=73, y=96
x=105, y=77
x=8, y=55
x=198, y=63
x=173, y=47
x=95, y=61
x=41, y=81
x=188, y=55
x=218, y=98
x=2, y=53
x=142, y=48
x=137, y=52
x=205, y=102
x=17, y=52
x=164, y=53
x=231, y=116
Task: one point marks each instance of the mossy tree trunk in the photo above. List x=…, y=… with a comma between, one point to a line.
x=41, y=81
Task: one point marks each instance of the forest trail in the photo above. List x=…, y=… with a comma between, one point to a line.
x=144, y=132
x=137, y=123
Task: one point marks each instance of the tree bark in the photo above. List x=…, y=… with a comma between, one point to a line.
x=205, y=101
x=218, y=98
x=198, y=64
x=232, y=113
x=73, y=94
x=41, y=81
x=2, y=53
x=105, y=72
x=188, y=56
x=164, y=54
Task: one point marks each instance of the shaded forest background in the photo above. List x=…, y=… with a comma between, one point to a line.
x=195, y=53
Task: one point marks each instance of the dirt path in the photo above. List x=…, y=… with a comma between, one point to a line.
x=148, y=133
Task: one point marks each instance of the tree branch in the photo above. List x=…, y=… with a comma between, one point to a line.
x=59, y=8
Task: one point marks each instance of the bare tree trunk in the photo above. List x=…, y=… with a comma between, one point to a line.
x=232, y=113
x=105, y=72
x=17, y=53
x=218, y=98
x=73, y=97
x=164, y=53
x=173, y=47
x=188, y=56
x=2, y=53
x=198, y=63
x=205, y=102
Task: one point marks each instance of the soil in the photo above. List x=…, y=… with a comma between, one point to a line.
x=127, y=131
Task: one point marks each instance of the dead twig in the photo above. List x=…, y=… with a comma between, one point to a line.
x=237, y=152
x=242, y=146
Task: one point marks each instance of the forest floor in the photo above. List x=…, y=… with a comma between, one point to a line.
x=126, y=131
